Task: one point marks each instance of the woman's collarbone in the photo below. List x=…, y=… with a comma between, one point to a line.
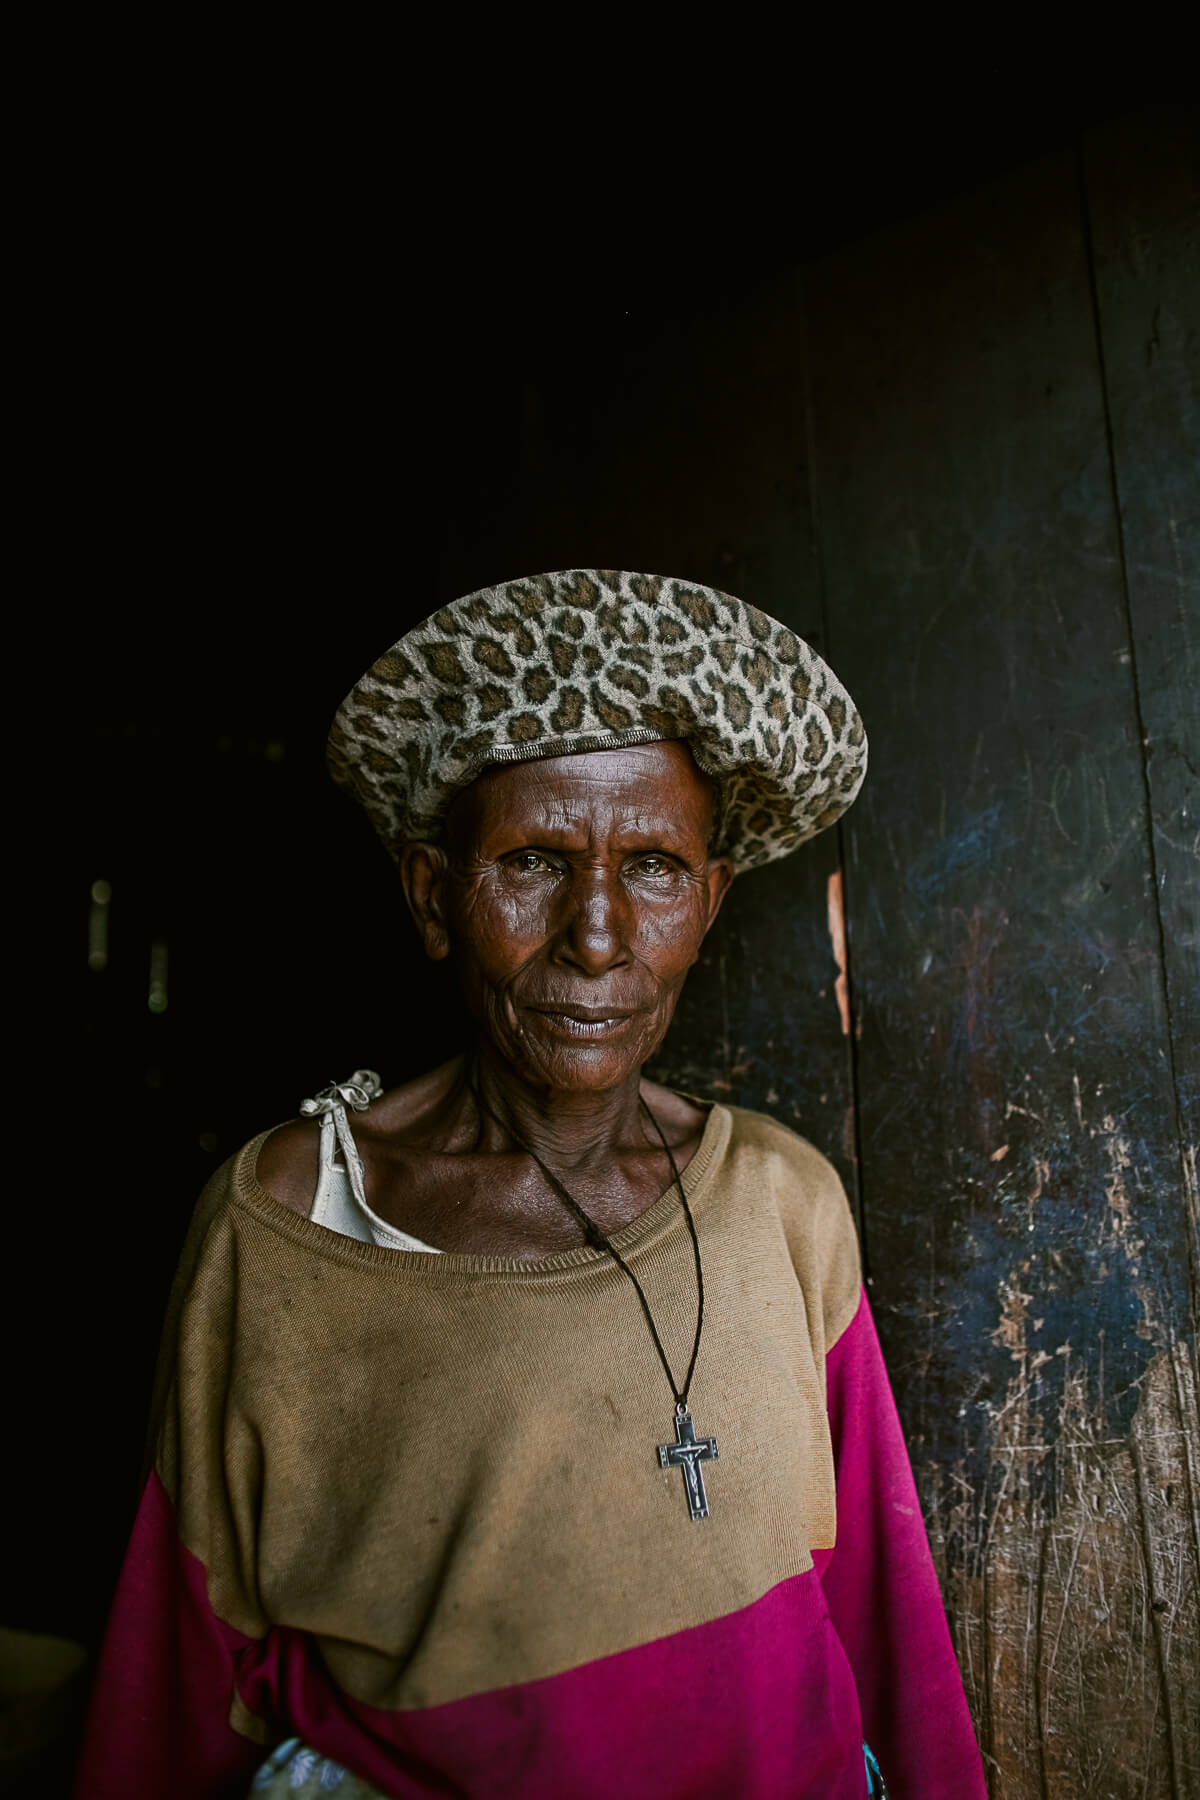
x=500, y=1204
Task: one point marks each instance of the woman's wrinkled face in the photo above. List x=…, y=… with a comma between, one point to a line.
x=574, y=894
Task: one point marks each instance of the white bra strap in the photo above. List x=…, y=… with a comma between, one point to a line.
x=349, y=1149
x=330, y=1106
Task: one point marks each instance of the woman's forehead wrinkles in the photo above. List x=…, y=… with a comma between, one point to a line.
x=587, y=813
x=647, y=794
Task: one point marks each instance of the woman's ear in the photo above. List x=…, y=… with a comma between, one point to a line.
x=720, y=877
x=424, y=871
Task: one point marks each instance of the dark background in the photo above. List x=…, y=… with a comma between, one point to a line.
x=933, y=403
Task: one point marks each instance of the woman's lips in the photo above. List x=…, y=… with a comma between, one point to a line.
x=584, y=1022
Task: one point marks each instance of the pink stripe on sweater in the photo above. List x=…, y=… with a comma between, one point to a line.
x=882, y=1590
x=159, y=1719
x=759, y=1705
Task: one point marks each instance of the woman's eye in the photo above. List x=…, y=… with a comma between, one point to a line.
x=528, y=862
x=654, y=865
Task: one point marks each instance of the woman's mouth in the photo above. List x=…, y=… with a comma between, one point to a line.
x=586, y=1023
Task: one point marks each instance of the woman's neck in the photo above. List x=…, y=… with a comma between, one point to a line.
x=567, y=1129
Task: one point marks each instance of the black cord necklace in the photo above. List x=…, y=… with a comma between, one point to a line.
x=688, y=1451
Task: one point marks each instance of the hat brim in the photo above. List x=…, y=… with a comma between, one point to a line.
x=577, y=660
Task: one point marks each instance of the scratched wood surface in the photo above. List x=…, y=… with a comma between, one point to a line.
x=1023, y=1195
x=1143, y=202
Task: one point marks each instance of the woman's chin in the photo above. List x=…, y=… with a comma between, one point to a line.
x=583, y=1069
x=552, y=1059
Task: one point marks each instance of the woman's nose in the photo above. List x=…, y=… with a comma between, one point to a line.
x=594, y=935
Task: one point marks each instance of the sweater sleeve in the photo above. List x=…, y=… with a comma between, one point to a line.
x=881, y=1588
x=166, y=1717
x=159, y=1725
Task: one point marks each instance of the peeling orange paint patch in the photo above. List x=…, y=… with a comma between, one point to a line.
x=837, y=936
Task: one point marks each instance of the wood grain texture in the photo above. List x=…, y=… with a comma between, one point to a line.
x=1020, y=1167
x=1143, y=201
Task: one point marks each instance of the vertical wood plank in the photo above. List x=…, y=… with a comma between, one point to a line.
x=1143, y=196
x=1020, y=1169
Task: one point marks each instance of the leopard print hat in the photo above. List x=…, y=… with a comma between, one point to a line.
x=589, y=659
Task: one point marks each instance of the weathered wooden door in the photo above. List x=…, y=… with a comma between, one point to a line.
x=1008, y=464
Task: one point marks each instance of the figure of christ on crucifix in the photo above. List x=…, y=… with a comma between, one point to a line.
x=687, y=1453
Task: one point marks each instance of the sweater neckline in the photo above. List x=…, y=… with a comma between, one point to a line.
x=659, y=1218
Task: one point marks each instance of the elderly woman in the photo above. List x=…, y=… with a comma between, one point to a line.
x=437, y=1506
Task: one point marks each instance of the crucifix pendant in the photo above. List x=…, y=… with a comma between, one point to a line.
x=687, y=1453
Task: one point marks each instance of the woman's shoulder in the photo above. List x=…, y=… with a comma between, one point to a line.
x=802, y=1179
x=289, y=1162
x=289, y=1158
x=768, y=1134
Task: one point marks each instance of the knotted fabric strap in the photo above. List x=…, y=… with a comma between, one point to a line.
x=330, y=1107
